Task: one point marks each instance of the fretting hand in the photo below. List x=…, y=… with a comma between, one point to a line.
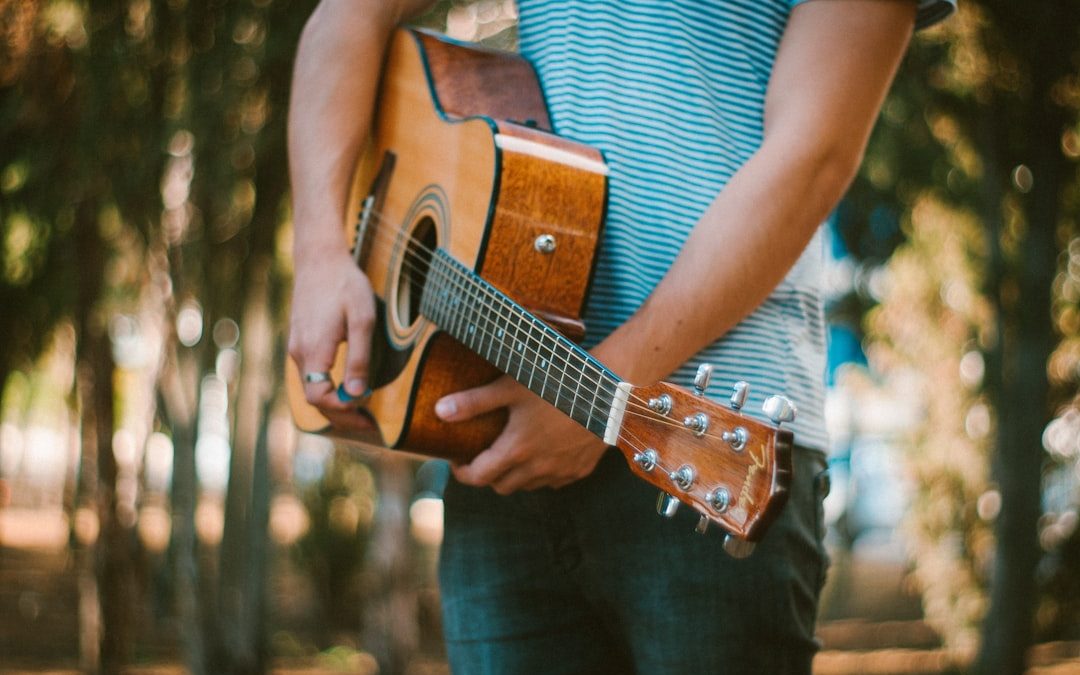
x=539, y=447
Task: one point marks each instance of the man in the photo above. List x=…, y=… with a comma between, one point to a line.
x=731, y=130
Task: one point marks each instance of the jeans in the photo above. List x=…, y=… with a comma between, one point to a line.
x=588, y=579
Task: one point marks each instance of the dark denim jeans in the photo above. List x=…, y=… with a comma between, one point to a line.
x=588, y=579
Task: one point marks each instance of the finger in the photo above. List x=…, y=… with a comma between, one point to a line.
x=517, y=478
x=318, y=392
x=337, y=400
x=360, y=321
x=311, y=356
x=321, y=391
x=467, y=404
x=532, y=475
x=487, y=467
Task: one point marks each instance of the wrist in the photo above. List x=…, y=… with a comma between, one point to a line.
x=317, y=238
x=319, y=253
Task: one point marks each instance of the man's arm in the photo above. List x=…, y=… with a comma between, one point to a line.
x=333, y=97
x=835, y=63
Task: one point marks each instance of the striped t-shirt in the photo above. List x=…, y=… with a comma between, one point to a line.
x=673, y=93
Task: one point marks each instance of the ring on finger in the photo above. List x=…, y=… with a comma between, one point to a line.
x=317, y=377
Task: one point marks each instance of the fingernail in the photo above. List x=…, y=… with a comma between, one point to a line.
x=343, y=395
x=445, y=407
x=356, y=387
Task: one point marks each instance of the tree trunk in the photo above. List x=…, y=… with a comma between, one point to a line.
x=108, y=594
x=1022, y=401
x=115, y=552
x=390, y=631
x=180, y=412
x=243, y=547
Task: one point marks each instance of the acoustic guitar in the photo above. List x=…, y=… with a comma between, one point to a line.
x=477, y=228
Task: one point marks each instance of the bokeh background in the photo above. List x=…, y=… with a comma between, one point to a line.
x=159, y=514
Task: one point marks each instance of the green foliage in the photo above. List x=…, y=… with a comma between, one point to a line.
x=130, y=126
x=926, y=337
x=980, y=133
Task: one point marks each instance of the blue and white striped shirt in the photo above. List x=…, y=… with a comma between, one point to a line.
x=673, y=93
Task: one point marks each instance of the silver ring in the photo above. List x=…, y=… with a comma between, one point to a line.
x=315, y=378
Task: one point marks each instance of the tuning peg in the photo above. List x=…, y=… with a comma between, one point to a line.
x=701, y=379
x=683, y=477
x=738, y=395
x=661, y=404
x=667, y=505
x=779, y=409
x=702, y=525
x=737, y=548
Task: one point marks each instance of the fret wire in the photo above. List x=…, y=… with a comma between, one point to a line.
x=461, y=309
x=500, y=334
x=493, y=339
x=475, y=285
x=517, y=346
x=577, y=388
x=601, y=373
x=508, y=333
x=545, y=370
x=474, y=288
x=603, y=376
x=473, y=311
x=516, y=342
x=486, y=338
x=532, y=367
x=558, y=389
x=436, y=296
x=540, y=371
x=550, y=345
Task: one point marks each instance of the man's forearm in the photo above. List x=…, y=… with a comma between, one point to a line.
x=333, y=97
x=821, y=105
x=742, y=247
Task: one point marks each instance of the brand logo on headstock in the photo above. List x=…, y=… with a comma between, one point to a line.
x=756, y=465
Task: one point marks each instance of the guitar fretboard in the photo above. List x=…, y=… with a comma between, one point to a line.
x=513, y=340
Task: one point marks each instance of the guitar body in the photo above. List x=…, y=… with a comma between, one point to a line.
x=460, y=159
x=478, y=230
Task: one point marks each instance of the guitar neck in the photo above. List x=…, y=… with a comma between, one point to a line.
x=517, y=343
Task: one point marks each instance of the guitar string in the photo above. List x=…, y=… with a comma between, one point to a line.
x=597, y=375
x=596, y=409
x=628, y=436
x=587, y=405
x=458, y=277
x=401, y=233
x=411, y=247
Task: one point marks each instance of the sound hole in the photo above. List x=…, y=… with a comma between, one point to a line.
x=414, y=270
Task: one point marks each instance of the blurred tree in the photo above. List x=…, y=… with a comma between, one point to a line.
x=144, y=144
x=71, y=167
x=994, y=126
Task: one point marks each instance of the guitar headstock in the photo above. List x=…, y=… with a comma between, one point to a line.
x=733, y=469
